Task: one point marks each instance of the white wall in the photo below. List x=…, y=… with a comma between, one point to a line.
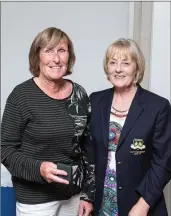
x=92, y=26
x=160, y=51
x=160, y=75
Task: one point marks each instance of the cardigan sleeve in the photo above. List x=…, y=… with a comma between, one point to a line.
x=88, y=192
x=151, y=187
x=12, y=157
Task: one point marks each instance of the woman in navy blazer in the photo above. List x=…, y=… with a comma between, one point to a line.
x=131, y=131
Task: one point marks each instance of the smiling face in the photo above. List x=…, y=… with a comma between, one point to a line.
x=121, y=71
x=124, y=63
x=54, y=61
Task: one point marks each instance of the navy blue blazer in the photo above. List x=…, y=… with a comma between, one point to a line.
x=140, y=173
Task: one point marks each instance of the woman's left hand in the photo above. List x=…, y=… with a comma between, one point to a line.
x=85, y=208
x=141, y=208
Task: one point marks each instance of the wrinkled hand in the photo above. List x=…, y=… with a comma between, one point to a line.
x=49, y=172
x=85, y=208
x=141, y=208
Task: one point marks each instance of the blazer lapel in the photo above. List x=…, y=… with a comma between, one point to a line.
x=135, y=111
x=105, y=114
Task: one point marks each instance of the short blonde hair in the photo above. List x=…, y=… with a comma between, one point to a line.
x=51, y=37
x=126, y=48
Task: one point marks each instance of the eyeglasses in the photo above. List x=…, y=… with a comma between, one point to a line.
x=121, y=64
x=52, y=52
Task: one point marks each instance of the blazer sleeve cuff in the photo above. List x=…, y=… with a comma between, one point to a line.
x=147, y=195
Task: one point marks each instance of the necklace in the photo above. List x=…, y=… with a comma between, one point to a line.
x=120, y=111
x=119, y=115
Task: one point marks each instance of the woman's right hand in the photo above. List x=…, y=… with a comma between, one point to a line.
x=49, y=172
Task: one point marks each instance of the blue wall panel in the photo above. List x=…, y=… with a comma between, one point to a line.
x=8, y=201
